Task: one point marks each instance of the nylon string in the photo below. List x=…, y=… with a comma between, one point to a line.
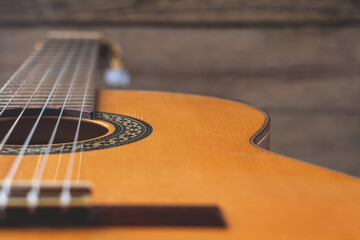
x=34, y=59
x=33, y=194
x=6, y=137
x=80, y=161
x=32, y=74
x=65, y=196
x=5, y=190
x=58, y=163
x=19, y=70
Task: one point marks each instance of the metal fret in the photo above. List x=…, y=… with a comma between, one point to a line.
x=53, y=49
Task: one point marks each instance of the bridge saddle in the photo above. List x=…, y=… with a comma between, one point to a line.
x=49, y=194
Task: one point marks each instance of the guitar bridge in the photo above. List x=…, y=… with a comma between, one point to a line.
x=49, y=211
x=49, y=195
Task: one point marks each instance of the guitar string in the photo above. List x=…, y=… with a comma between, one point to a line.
x=34, y=59
x=19, y=70
x=5, y=190
x=58, y=163
x=13, y=96
x=65, y=196
x=8, y=180
x=18, y=73
x=6, y=137
x=33, y=194
x=9, y=132
x=80, y=162
x=39, y=160
x=31, y=61
x=75, y=74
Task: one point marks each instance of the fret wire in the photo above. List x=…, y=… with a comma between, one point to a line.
x=31, y=74
x=28, y=62
x=9, y=132
x=45, y=91
x=38, y=97
x=34, y=61
x=49, y=51
x=63, y=84
x=24, y=91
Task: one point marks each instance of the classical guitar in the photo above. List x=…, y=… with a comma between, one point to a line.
x=77, y=163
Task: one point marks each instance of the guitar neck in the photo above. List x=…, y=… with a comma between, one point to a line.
x=59, y=75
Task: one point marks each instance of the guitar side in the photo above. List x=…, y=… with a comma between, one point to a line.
x=201, y=152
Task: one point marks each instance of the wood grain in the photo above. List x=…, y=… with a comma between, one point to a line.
x=183, y=12
x=199, y=153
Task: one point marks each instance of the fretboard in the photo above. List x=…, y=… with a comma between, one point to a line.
x=59, y=75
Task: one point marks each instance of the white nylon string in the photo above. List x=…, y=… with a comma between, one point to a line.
x=6, y=137
x=15, y=94
x=39, y=160
x=58, y=163
x=65, y=196
x=30, y=76
x=19, y=70
x=5, y=190
x=33, y=194
x=80, y=161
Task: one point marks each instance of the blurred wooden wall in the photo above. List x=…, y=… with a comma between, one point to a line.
x=189, y=12
x=297, y=60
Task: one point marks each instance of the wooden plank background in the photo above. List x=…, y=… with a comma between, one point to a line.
x=297, y=61
x=201, y=12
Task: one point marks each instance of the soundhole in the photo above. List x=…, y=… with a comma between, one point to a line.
x=65, y=132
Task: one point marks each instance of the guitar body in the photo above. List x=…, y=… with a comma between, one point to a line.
x=202, y=152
